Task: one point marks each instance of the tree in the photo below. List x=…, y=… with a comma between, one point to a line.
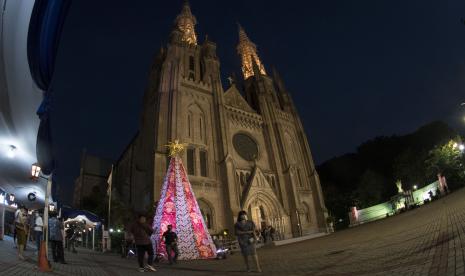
x=179, y=208
x=409, y=167
x=370, y=189
x=447, y=160
x=94, y=202
x=353, y=177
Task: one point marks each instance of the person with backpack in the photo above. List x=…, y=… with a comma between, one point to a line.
x=55, y=227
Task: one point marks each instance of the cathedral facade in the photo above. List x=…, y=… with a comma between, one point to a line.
x=247, y=148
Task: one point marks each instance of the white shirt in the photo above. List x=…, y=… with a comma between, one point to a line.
x=17, y=215
x=38, y=224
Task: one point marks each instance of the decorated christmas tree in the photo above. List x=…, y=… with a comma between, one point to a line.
x=178, y=207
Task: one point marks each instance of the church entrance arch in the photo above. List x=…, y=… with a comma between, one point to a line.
x=207, y=212
x=262, y=210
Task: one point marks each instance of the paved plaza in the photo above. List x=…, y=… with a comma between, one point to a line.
x=426, y=241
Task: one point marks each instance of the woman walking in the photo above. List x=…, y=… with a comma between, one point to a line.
x=245, y=232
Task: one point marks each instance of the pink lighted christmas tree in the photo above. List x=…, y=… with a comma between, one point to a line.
x=178, y=207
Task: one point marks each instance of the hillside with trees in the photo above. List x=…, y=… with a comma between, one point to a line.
x=368, y=176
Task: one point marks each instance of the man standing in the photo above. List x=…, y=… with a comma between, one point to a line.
x=38, y=229
x=142, y=232
x=21, y=228
x=171, y=243
x=55, y=227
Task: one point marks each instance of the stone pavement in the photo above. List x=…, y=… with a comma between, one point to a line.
x=426, y=241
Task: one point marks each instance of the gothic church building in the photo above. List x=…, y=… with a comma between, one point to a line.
x=245, y=152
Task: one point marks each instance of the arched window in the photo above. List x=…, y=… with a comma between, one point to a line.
x=291, y=154
x=299, y=178
x=203, y=163
x=197, y=123
x=191, y=68
x=306, y=212
x=191, y=161
x=191, y=63
x=189, y=125
x=202, y=127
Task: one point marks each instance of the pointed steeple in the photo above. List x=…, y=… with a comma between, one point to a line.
x=185, y=22
x=248, y=53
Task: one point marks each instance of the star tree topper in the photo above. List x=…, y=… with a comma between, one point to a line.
x=175, y=148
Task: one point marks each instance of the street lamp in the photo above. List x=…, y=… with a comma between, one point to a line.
x=415, y=187
x=2, y=205
x=11, y=153
x=461, y=147
x=35, y=172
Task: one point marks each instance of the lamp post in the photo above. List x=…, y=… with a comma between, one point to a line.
x=2, y=214
x=35, y=173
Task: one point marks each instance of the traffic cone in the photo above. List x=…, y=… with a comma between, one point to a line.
x=44, y=264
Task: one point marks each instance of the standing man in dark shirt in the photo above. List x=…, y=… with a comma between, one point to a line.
x=142, y=232
x=171, y=243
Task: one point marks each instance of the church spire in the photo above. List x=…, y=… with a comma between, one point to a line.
x=248, y=53
x=185, y=22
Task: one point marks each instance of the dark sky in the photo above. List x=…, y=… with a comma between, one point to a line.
x=356, y=69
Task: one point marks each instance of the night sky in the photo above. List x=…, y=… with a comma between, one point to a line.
x=356, y=69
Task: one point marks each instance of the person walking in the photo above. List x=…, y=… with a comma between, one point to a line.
x=171, y=243
x=31, y=221
x=21, y=228
x=245, y=232
x=55, y=227
x=127, y=242
x=142, y=232
x=71, y=235
x=38, y=229
x=272, y=233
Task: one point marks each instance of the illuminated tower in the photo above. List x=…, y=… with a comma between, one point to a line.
x=185, y=22
x=247, y=50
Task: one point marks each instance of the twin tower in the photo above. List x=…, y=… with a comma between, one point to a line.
x=247, y=146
